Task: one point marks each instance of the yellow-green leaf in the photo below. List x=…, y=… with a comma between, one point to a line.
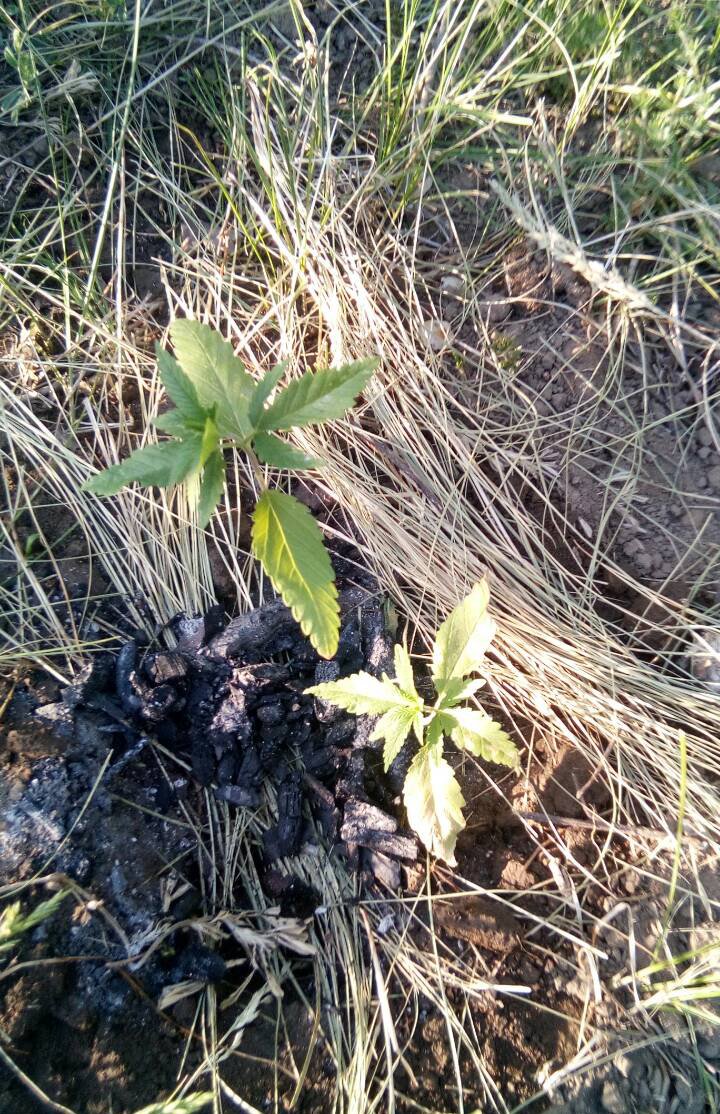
x=363, y=695
x=288, y=543
x=455, y=690
x=476, y=732
x=393, y=727
x=463, y=638
x=434, y=802
x=404, y=671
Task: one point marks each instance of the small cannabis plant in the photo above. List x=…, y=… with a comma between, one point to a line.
x=432, y=795
x=218, y=405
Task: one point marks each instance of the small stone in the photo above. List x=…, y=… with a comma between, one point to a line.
x=643, y=562
x=713, y=477
x=452, y=284
x=238, y=795
x=633, y=547
x=704, y=452
x=385, y=870
x=677, y=510
x=436, y=334
x=704, y=437
x=495, y=311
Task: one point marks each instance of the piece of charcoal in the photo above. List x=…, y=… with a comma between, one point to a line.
x=57, y=717
x=298, y=733
x=352, y=783
x=202, y=761
x=349, y=651
x=397, y=771
x=376, y=642
x=340, y=732
x=360, y=818
x=239, y=795
x=253, y=676
x=390, y=843
x=231, y=720
x=251, y=771
x=226, y=768
x=249, y=635
x=325, y=711
x=189, y=632
x=159, y=702
x=271, y=714
x=296, y=898
x=214, y=619
x=93, y=677
x=270, y=751
x=383, y=869
x=166, y=666
x=199, y=963
x=286, y=833
x=320, y=762
x=273, y=734
x=124, y=676
x=129, y=756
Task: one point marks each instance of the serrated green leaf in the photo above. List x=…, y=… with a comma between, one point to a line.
x=218, y=376
x=288, y=543
x=169, y=462
x=457, y=689
x=404, y=671
x=394, y=727
x=179, y=388
x=476, y=732
x=278, y=454
x=438, y=726
x=434, y=802
x=463, y=638
x=318, y=396
x=211, y=487
x=263, y=390
x=172, y=422
x=363, y=695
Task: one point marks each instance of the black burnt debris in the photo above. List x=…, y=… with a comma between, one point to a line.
x=230, y=701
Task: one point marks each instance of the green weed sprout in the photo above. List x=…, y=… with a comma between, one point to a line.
x=431, y=793
x=219, y=406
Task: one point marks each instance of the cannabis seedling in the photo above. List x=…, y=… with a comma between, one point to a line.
x=218, y=405
x=432, y=796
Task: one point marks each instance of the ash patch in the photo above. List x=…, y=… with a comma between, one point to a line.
x=228, y=702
